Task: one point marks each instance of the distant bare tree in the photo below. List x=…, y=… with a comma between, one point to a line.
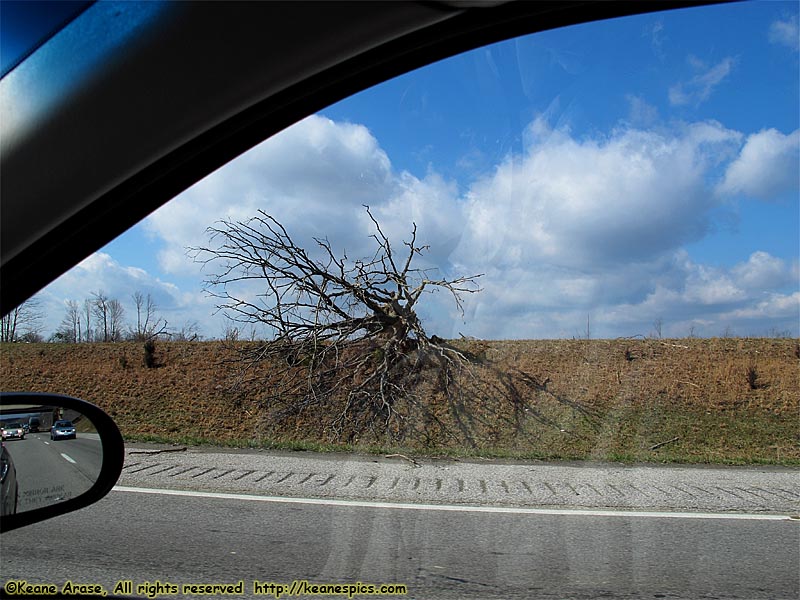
x=230, y=332
x=109, y=313
x=88, y=307
x=100, y=312
x=187, y=333
x=70, y=329
x=342, y=328
x=148, y=324
x=116, y=321
x=658, y=323
x=25, y=321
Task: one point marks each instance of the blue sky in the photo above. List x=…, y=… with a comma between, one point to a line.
x=634, y=171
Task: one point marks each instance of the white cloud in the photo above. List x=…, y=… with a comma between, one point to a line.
x=699, y=88
x=316, y=175
x=585, y=203
x=641, y=113
x=657, y=37
x=763, y=271
x=768, y=165
x=775, y=306
x=430, y=203
x=709, y=300
x=753, y=297
x=570, y=227
x=785, y=33
x=627, y=299
x=707, y=287
x=100, y=272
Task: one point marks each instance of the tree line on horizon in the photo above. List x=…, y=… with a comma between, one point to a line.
x=98, y=318
x=25, y=324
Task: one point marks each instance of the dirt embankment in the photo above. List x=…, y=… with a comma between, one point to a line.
x=707, y=400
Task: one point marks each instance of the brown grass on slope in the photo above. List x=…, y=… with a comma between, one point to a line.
x=723, y=399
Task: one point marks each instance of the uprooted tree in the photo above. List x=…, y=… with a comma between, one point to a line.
x=345, y=333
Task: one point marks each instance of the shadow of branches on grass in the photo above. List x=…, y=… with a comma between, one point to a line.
x=436, y=396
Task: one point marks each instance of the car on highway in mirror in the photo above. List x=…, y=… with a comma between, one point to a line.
x=13, y=431
x=63, y=430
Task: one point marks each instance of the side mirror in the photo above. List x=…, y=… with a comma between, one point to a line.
x=58, y=454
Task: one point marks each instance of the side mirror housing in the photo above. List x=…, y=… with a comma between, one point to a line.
x=69, y=460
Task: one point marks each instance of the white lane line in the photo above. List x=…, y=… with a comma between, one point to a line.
x=458, y=508
x=67, y=458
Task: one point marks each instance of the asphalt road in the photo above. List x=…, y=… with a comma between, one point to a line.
x=478, y=482
x=49, y=471
x=438, y=554
x=446, y=529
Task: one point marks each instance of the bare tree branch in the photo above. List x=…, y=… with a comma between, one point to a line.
x=148, y=324
x=342, y=329
x=109, y=313
x=23, y=323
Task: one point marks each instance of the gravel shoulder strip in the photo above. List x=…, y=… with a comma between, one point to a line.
x=496, y=483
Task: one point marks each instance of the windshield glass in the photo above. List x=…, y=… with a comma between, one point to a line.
x=523, y=323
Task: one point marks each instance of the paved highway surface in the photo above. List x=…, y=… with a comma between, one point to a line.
x=438, y=554
x=503, y=483
x=451, y=529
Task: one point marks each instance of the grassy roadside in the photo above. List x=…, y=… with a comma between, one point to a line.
x=733, y=439
x=724, y=401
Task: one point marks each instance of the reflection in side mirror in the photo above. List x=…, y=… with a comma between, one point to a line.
x=37, y=470
x=58, y=454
